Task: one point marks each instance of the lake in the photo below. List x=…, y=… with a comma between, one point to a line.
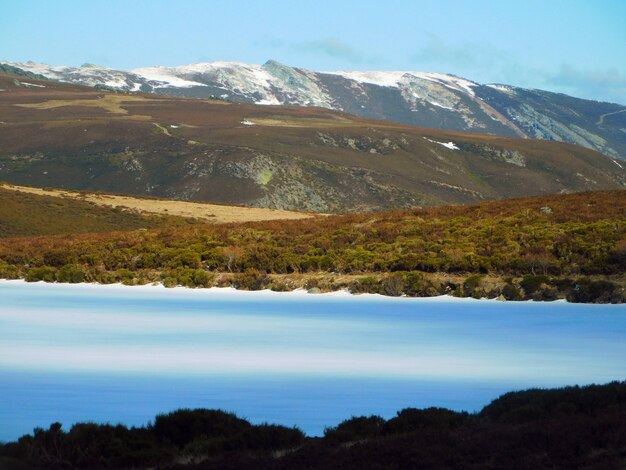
x=114, y=354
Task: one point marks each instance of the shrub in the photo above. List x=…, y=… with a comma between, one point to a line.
x=510, y=292
x=70, y=273
x=43, y=273
x=412, y=419
x=355, y=428
x=271, y=437
x=251, y=279
x=531, y=283
x=586, y=290
x=8, y=271
x=472, y=286
x=183, y=426
x=202, y=278
x=365, y=285
x=393, y=285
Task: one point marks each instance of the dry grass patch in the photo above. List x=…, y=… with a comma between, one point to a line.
x=110, y=103
x=298, y=122
x=214, y=213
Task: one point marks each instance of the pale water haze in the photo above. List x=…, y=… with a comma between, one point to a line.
x=123, y=354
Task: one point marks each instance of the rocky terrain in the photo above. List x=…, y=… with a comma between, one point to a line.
x=422, y=99
x=66, y=136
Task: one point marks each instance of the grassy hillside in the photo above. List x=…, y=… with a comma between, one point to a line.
x=62, y=211
x=23, y=214
x=572, y=427
x=305, y=159
x=547, y=247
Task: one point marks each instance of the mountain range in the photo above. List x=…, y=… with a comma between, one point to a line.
x=422, y=99
x=61, y=135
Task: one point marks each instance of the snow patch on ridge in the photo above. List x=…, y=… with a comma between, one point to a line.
x=503, y=88
x=48, y=71
x=269, y=84
x=165, y=78
x=448, y=145
x=395, y=79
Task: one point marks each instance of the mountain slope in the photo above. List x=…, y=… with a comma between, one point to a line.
x=25, y=214
x=417, y=98
x=67, y=136
x=25, y=210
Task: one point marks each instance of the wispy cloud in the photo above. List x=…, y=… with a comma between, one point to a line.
x=608, y=84
x=329, y=48
x=436, y=51
x=489, y=64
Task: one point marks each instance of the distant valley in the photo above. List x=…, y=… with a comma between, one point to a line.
x=422, y=99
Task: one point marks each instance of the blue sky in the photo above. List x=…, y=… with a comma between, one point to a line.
x=572, y=46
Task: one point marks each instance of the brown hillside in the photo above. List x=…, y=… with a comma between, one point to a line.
x=44, y=211
x=60, y=135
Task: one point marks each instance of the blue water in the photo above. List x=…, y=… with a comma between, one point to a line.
x=117, y=354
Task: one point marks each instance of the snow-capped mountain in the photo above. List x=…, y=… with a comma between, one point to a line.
x=423, y=99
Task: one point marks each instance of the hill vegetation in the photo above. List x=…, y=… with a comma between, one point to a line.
x=423, y=99
x=294, y=158
x=568, y=246
x=572, y=427
x=49, y=211
x=23, y=214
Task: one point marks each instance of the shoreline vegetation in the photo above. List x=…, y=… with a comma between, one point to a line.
x=592, y=290
x=539, y=248
x=569, y=427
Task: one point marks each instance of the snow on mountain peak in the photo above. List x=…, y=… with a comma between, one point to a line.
x=395, y=79
x=271, y=83
x=390, y=79
x=426, y=99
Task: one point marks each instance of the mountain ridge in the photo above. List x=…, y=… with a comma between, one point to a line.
x=281, y=157
x=423, y=99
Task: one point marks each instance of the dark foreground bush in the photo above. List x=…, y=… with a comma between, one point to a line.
x=183, y=426
x=585, y=291
x=193, y=434
x=572, y=427
x=412, y=419
x=355, y=429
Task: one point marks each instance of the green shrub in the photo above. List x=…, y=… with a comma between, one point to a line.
x=472, y=286
x=8, y=271
x=251, y=279
x=393, y=285
x=531, y=283
x=201, y=278
x=586, y=290
x=473, y=282
x=365, y=285
x=70, y=273
x=43, y=273
x=510, y=292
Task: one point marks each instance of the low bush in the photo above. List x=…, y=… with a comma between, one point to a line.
x=355, y=428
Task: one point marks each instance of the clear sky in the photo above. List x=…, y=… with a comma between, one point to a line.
x=572, y=46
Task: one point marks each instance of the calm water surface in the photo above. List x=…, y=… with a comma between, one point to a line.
x=118, y=354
